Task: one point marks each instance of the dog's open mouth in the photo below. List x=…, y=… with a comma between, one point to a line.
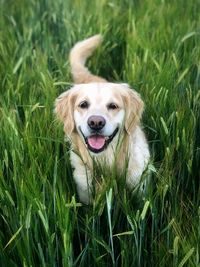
x=97, y=143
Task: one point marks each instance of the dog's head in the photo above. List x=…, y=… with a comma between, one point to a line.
x=98, y=112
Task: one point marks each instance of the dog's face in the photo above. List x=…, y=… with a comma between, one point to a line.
x=98, y=112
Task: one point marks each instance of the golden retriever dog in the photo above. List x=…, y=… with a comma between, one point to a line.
x=102, y=122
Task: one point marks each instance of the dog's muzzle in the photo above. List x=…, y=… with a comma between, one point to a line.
x=97, y=142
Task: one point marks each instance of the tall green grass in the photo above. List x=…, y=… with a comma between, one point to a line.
x=153, y=45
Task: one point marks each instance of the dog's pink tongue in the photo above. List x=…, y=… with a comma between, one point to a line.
x=96, y=141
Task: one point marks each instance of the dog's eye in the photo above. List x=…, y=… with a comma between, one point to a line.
x=112, y=106
x=84, y=104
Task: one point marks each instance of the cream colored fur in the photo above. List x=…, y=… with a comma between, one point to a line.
x=78, y=56
x=129, y=142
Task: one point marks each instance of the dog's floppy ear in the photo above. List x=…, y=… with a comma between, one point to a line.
x=133, y=109
x=64, y=107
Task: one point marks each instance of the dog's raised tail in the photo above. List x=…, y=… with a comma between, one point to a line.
x=78, y=56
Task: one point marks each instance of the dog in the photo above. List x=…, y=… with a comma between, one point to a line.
x=102, y=121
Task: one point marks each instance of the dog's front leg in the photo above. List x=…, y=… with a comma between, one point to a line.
x=83, y=179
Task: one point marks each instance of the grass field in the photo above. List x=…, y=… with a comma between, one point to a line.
x=154, y=45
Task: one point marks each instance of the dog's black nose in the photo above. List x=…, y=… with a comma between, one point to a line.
x=96, y=122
